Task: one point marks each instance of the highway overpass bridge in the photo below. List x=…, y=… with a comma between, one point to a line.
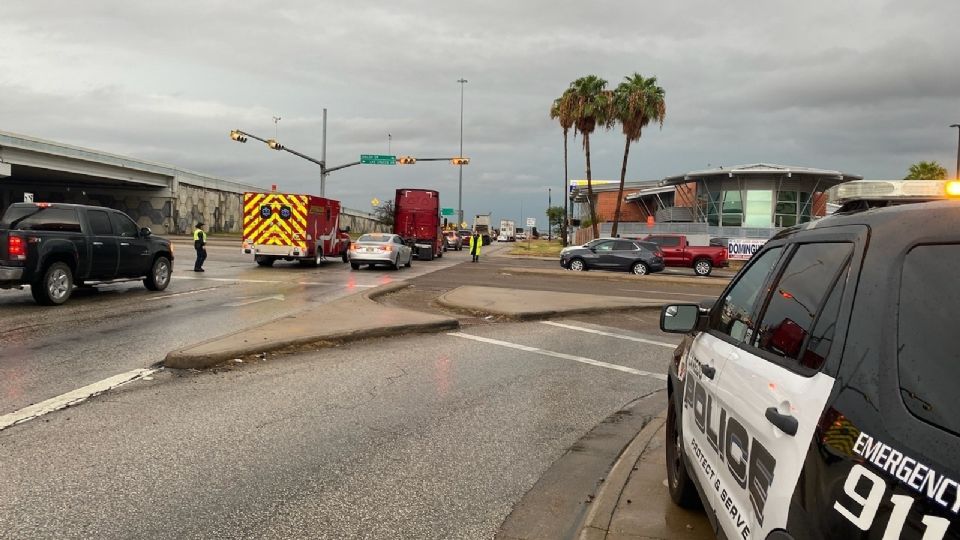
x=163, y=197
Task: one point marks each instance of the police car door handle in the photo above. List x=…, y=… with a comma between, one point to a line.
x=708, y=371
x=785, y=422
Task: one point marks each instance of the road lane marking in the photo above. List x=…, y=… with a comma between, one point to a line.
x=73, y=397
x=184, y=293
x=581, y=359
x=666, y=293
x=254, y=300
x=273, y=281
x=611, y=334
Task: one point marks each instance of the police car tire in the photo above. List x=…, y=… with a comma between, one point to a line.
x=679, y=483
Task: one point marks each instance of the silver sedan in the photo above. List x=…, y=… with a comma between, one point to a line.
x=380, y=248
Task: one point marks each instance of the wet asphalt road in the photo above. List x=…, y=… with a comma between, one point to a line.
x=429, y=436
x=99, y=333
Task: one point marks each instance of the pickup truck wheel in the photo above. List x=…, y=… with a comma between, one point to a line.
x=639, y=269
x=577, y=265
x=702, y=267
x=55, y=287
x=264, y=261
x=159, y=276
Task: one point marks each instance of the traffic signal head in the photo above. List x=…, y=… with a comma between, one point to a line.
x=460, y=161
x=272, y=143
x=238, y=135
x=406, y=160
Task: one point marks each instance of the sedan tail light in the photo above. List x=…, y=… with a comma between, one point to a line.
x=16, y=248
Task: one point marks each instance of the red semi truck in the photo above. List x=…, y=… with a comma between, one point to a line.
x=416, y=219
x=678, y=253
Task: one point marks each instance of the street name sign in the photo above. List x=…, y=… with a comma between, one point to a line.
x=446, y=211
x=376, y=159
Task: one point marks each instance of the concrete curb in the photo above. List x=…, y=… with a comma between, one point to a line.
x=541, y=314
x=610, y=276
x=535, y=315
x=597, y=521
x=184, y=359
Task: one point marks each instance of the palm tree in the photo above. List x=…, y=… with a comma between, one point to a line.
x=591, y=108
x=926, y=170
x=637, y=101
x=562, y=110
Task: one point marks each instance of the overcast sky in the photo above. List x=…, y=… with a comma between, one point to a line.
x=864, y=86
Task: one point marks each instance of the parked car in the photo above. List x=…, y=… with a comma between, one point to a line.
x=634, y=256
x=677, y=252
x=380, y=249
x=452, y=240
x=815, y=398
x=52, y=247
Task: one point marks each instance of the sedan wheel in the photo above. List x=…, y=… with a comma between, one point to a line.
x=577, y=265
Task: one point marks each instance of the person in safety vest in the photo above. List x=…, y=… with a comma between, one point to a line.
x=476, y=241
x=199, y=244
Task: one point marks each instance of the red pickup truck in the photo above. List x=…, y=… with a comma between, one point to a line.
x=677, y=252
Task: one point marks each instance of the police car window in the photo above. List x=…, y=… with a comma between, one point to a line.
x=99, y=222
x=799, y=297
x=733, y=316
x=929, y=360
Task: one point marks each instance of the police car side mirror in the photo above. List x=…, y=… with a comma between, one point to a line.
x=680, y=318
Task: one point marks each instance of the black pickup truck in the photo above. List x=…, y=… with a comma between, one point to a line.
x=52, y=247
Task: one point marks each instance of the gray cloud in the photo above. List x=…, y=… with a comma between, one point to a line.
x=867, y=86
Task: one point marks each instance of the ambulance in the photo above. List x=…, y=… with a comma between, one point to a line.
x=293, y=227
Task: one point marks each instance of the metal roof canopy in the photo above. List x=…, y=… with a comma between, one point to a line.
x=824, y=177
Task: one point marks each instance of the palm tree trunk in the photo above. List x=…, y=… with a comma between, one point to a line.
x=593, y=208
x=566, y=192
x=623, y=177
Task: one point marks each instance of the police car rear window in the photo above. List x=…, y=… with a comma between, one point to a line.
x=928, y=353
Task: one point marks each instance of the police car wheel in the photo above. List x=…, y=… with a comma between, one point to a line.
x=681, y=487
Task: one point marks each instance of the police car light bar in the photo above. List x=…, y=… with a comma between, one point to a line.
x=893, y=190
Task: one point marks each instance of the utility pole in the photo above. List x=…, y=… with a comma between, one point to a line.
x=956, y=175
x=323, y=157
x=462, y=82
x=549, y=219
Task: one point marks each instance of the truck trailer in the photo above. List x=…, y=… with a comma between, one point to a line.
x=481, y=224
x=292, y=227
x=416, y=219
x=508, y=231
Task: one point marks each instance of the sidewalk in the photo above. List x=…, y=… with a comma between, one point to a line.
x=634, y=502
x=521, y=304
x=619, y=276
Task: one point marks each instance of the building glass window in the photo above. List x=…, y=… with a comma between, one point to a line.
x=723, y=208
x=758, y=208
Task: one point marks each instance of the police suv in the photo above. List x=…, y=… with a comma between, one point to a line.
x=815, y=398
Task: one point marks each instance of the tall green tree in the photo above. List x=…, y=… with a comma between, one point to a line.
x=637, y=101
x=555, y=216
x=926, y=170
x=562, y=111
x=592, y=107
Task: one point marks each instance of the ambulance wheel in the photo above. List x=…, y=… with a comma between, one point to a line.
x=354, y=266
x=344, y=256
x=264, y=261
x=679, y=483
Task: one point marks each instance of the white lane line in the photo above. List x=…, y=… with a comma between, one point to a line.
x=230, y=280
x=184, y=293
x=254, y=300
x=72, y=398
x=581, y=359
x=670, y=293
x=611, y=334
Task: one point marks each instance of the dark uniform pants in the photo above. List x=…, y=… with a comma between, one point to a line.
x=201, y=256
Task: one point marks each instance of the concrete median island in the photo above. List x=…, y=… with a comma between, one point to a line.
x=352, y=318
x=619, y=276
x=520, y=304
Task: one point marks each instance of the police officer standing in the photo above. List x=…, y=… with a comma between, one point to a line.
x=199, y=243
x=476, y=241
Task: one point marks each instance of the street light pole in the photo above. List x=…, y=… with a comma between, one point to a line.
x=549, y=219
x=956, y=176
x=323, y=157
x=462, y=81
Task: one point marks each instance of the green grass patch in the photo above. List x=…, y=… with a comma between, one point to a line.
x=536, y=248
